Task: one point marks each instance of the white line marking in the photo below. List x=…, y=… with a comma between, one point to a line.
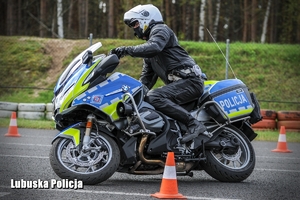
x=120, y=193
x=276, y=170
x=2, y=194
x=35, y=136
x=42, y=145
x=43, y=136
x=275, y=157
x=23, y=156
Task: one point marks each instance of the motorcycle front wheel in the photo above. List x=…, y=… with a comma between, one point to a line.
x=92, y=166
x=228, y=166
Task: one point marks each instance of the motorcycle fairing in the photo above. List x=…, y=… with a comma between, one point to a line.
x=72, y=82
x=208, y=84
x=76, y=62
x=106, y=95
x=75, y=85
x=72, y=132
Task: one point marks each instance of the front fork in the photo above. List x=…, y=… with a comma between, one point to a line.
x=86, y=139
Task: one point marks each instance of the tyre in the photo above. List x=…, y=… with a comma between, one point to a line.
x=289, y=124
x=288, y=115
x=94, y=166
x=5, y=113
x=268, y=114
x=49, y=115
x=265, y=124
x=8, y=106
x=31, y=115
x=229, y=166
x=49, y=107
x=35, y=107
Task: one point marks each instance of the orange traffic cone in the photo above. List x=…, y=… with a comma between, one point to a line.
x=169, y=188
x=13, y=129
x=282, y=145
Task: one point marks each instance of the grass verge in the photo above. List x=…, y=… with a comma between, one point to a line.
x=27, y=123
x=271, y=136
x=271, y=71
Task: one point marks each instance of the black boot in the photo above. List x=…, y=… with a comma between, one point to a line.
x=195, y=128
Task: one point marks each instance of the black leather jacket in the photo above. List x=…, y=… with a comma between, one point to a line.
x=162, y=53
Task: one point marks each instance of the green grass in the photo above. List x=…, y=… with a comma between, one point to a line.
x=28, y=96
x=273, y=136
x=22, y=61
x=48, y=124
x=27, y=123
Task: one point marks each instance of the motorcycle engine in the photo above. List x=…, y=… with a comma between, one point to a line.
x=151, y=119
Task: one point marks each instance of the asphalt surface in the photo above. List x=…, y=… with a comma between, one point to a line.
x=276, y=175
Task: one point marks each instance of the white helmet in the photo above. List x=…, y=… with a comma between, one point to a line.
x=146, y=15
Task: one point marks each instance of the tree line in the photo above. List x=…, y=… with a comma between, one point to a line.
x=264, y=21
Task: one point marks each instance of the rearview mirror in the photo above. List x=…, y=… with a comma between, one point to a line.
x=87, y=57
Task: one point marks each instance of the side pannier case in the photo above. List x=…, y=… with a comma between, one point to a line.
x=231, y=96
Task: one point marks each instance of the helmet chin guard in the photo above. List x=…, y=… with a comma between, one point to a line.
x=146, y=15
x=138, y=32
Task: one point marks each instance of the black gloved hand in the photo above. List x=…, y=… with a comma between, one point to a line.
x=119, y=51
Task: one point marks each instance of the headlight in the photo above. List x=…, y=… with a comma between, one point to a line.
x=59, y=100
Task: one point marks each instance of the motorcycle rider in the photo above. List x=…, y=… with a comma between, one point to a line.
x=164, y=58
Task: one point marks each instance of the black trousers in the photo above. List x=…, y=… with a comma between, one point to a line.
x=167, y=99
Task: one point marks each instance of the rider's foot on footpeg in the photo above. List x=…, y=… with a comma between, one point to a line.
x=195, y=128
x=188, y=137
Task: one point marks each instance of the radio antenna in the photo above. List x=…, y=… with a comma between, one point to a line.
x=222, y=53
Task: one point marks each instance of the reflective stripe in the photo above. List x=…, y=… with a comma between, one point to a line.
x=113, y=77
x=169, y=172
x=13, y=122
x=231, y=111
x=243, y=108
x=74, y=133
x=282, y=138
x=115, y=100
x=103, y=83
x=103, y=106
x=135, y=89
x=238, y=113
x=92, y=89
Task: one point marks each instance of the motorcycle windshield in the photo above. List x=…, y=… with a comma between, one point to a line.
x=68, y=78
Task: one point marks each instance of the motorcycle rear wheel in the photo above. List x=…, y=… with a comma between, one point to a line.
x=91, y=167
x=234, y=167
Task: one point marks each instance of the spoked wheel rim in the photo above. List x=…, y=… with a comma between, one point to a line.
x=237, y=160
x=94, y=159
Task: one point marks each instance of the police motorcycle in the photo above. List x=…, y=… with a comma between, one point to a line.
x=106, y=126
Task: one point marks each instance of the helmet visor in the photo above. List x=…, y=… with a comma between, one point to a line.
x=131, y=23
